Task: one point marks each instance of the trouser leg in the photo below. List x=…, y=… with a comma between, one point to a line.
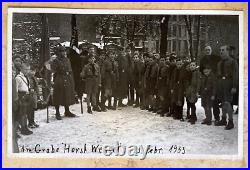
x=193, y=111
x=216, y=109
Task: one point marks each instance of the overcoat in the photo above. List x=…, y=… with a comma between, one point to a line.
x=207, y=89
x=177, y=84
x=63, y=93
x=138, y=76
x=123, y=67
x=110, y=73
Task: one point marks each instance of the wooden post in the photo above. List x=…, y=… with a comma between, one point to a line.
x=47, y=113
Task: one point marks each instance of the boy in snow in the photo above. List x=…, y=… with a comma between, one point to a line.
x=24, y=97
x=138, y=74
x=110, y=69
x=162, y=86
x=33, y=92
x=172, y=66
x=91, y=74
x=177, y=90
x=208, y=92
x=192, y=88
x=151, y=78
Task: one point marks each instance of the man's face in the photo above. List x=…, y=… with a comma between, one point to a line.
x=156, y=56
x=150, y=61
x=102, y=57
x=63, y=53
x=173, y=62
x=123, y=54
x=208, y=51
x=17, y=61
x=206, y=71
x=224, y=53
x=128, y=51
x=179, y=64
x=136, y=58
x=162, y=61
x=167, y=61
x=92, y=50
x=192, y=66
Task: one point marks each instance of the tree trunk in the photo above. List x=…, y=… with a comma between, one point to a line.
x=188, y=22
x=164, y=35
x=198, y=37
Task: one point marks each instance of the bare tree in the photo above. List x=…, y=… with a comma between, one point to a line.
x=188, y=21
x=190, y=24
x=164, y=35
x=198, y=36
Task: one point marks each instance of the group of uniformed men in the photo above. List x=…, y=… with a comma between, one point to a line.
x=156, y=83
x=152, y=82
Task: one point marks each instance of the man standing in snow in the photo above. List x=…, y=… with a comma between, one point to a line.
x=227, y=83
x=63, y=83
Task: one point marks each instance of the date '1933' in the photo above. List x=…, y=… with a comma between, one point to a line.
x=177, y=149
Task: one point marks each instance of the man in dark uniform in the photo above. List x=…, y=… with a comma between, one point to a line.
x=131, y=92
x=63, y=93
x=172, y=66
x=211, y=60
x=138, y=75
x=162, y=86
x=151, y=78
x=177, y=90
x=93, y=53
x=92, y=76
x=123, y=67
x=227, y=83
x=101, y=90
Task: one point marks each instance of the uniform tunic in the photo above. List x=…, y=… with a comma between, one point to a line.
x=92, y=75
x=138, y=76
x=162, y=81
x=123, y=67
x=63, y=93
x=227, y=79
x=151, y=78
x=177, y=85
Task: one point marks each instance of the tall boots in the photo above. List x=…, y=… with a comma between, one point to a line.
x=58, y=116
x=67, y=113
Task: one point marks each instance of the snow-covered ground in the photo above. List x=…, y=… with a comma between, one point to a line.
x=131, y=126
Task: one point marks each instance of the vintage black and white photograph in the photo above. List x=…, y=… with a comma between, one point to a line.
x=125, y=83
